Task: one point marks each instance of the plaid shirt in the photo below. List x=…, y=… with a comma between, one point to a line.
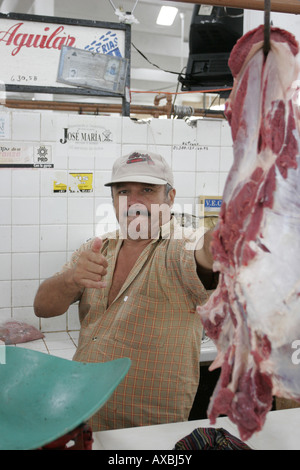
x=153, y=322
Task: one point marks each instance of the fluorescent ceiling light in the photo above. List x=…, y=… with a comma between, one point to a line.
x=166, y=16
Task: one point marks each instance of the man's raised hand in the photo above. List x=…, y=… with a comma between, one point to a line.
x=91, y=267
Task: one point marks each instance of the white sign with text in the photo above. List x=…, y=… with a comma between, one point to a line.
x=31, y=50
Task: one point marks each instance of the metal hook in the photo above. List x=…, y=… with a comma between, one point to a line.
x=266, y=47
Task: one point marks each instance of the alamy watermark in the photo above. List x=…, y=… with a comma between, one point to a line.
x=296, y=354
x=139, y=222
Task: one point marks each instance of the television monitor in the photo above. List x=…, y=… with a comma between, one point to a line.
x=213, y=33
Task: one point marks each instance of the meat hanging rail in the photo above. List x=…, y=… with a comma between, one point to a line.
x=282, y=6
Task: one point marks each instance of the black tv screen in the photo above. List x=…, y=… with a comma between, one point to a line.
x=212, y=37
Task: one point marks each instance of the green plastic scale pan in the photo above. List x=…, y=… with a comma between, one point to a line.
x=43, y=397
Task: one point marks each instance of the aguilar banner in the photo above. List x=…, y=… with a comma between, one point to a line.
x=30, y=48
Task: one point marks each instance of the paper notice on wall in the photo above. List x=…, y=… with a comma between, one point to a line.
x=42, y=156
x=84, y=68
x=5, y=129
x=210, y=207
x=77, y=183
x=14, y=154
x=59, y=187
x=81, y=182
x=211, y=204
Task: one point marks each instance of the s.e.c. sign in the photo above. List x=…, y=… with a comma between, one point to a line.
x=211, y=205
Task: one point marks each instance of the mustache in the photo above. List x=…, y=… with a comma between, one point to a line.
x=136, y=213
x=136, y=210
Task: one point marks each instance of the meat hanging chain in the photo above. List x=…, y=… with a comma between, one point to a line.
x=254, y=314
x=267, y=27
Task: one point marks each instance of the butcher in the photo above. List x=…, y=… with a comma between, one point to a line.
x=138, y=289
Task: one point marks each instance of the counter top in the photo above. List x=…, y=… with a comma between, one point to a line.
x=208, y=350
x=280, y=432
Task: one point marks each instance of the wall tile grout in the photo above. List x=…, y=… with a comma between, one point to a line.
x=27, y=184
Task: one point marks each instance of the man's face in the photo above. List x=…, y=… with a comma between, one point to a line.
x=141, y=208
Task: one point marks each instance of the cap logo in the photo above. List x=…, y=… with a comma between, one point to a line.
x=140, y=157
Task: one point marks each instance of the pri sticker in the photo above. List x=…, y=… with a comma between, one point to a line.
x=42, y=156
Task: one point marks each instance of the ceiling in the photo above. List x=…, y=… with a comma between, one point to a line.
x=160, y=44
x=165, y=46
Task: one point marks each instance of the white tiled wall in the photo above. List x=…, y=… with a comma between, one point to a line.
x=39, y=229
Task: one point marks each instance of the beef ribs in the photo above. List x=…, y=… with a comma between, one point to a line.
x=254, y=314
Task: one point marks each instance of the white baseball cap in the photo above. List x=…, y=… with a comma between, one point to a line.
x=141, y=167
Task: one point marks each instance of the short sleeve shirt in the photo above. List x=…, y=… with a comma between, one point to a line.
x=153, y=321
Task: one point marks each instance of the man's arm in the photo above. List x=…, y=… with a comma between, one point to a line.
x=203, y=254
x=57, y=293
x=204, y=260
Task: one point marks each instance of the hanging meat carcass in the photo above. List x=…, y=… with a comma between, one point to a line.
x=254, y=314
